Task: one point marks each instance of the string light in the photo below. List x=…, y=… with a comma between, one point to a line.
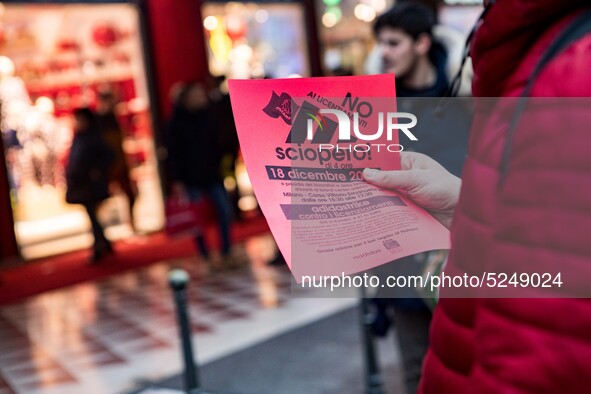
x=332, y=16
x=210, y=23
x=329, y=19
x=364, y=12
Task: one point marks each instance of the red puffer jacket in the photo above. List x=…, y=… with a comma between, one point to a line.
x=541, y=215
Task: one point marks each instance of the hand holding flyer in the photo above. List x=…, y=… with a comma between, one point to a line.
x=305, y=144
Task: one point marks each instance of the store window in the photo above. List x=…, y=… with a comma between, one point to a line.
x=54, y=58
x=346, y=34
x=256, y=40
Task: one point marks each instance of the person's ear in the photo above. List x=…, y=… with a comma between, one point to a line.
x=423, y=44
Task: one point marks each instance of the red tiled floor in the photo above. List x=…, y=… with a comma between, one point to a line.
x=25, y=370
x=98, y=337
x=5, y=388
x=200, y=328
x=147, y=344
x=47, y=381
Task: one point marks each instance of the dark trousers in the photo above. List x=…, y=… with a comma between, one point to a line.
x=120, y=177
x=218, y=196
x=412, y=331
x=100, y=241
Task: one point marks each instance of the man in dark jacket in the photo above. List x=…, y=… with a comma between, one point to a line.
x=113, y=135
x=194, y=158
x=86, y=175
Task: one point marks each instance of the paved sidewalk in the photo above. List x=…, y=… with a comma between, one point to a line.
x=324, y=357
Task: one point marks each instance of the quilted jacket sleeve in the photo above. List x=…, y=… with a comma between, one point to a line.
x=543, y=221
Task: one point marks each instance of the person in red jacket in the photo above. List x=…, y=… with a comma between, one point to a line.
x=524, y=210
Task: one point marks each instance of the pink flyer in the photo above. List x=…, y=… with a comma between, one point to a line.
x=305, y=143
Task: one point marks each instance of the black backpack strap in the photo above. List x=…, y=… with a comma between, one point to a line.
x=579, y=28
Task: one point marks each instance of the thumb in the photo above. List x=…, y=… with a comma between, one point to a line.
x=400, y=179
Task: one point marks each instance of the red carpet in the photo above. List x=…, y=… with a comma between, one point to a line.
x=52, y=273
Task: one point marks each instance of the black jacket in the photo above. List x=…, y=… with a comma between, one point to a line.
x=86, y=173
x=194, y=152
x=442, y=131
x=443, y=124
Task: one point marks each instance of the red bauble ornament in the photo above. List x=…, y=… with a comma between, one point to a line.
x=65, y=44
x=105, y=35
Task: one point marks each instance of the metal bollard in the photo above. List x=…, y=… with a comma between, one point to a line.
x=178, y=280
x=374, y=383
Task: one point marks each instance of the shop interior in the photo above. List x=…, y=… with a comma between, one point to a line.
x=56, y=57
x=256, y=40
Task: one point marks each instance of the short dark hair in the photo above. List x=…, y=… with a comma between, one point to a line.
x=412, y=18
x=85, y=113
x=186, y=88
x=106, y=95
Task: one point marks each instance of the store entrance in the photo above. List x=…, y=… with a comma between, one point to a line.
x=56, y=58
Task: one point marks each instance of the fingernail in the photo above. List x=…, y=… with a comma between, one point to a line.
x=369, y=173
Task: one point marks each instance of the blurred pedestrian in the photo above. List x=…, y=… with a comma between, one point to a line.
x=118, y=173
x=194, y=157
x=229, y=144
x=447, y=51
x=86, y=175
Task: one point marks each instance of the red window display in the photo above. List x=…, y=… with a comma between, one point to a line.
x=57, y=57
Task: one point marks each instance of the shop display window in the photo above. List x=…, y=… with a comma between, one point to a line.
x=57, y=57
x=256, y=40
